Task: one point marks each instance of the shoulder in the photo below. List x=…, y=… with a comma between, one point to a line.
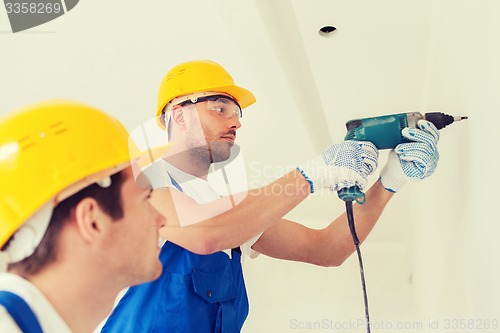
x=157, y=175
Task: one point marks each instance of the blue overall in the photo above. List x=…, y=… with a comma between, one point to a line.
x=194, y=294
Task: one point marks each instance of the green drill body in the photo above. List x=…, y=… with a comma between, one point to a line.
x=385, y=133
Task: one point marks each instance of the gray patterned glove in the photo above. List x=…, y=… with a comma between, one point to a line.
x=341, y=165
x=413, y=160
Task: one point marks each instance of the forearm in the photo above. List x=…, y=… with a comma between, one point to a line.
x=335, y=241
x=330, y=246
x=258, y=211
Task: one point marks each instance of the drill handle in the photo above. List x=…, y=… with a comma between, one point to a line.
x=352, y=194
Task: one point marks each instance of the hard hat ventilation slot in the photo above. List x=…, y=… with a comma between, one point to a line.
x=58, y=128
x=171, y=76
x=26, y=143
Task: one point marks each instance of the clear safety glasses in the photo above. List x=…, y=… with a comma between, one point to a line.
x=221, y=104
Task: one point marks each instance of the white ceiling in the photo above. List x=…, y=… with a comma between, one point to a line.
x=114, y=53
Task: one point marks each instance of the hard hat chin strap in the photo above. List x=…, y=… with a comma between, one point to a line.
x=28, y=236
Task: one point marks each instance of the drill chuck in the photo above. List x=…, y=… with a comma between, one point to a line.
x=441, y=120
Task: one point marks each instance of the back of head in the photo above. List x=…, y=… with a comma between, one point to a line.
x=198, y=76
x=49, y=151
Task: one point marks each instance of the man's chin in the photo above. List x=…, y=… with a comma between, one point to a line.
x=218, y=157
x=220, y=151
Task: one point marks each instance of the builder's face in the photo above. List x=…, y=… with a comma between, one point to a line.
x=135, y=236
x=219, y=131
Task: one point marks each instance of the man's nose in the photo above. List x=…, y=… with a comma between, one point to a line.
x=234, y=122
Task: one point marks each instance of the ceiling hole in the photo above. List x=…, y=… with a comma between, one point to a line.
x=327, y=31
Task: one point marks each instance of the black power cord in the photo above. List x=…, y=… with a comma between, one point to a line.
x=350, y=220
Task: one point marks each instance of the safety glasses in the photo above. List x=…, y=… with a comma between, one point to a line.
x=223, y=105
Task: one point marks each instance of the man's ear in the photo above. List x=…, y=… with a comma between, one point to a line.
x=90, y=219
x=177, y=117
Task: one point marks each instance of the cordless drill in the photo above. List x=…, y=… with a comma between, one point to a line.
x=385, y=133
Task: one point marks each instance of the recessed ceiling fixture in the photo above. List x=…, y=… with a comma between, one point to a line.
x=327, y=31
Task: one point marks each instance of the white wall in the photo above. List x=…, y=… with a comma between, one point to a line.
x=459, y=264
x=440, y=269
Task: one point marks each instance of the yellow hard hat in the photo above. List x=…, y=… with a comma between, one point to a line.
x=198, y=76
x=48, y=147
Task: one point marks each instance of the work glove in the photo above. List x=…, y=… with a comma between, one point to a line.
x=414, y=160
x=341, y=165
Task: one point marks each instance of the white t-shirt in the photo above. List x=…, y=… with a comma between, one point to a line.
x=49, y=319
x=161, y=174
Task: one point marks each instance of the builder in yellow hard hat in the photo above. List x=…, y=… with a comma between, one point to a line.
x=75, y=226
x=202, y=288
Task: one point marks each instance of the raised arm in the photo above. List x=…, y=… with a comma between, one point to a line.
x=218, y=225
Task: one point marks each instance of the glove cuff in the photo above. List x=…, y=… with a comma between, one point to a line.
x=307, y=178
x=391, y=182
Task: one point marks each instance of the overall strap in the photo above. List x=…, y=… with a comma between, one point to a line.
x=175, y=183
x=20, y=311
